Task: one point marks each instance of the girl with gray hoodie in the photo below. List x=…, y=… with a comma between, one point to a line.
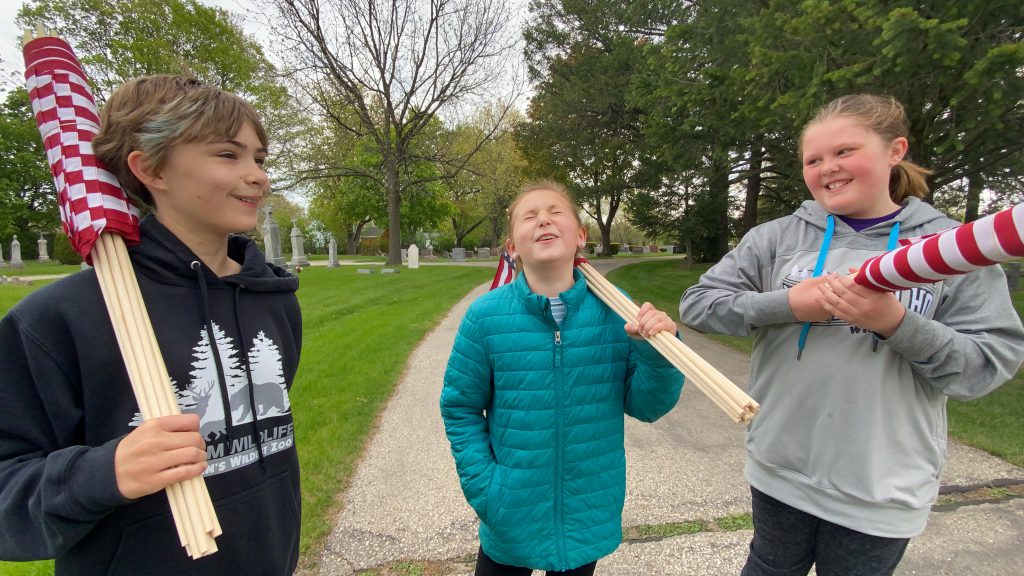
x=845, y=456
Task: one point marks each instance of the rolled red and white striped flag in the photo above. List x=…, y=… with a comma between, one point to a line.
x=90, y=198
x=506, y=270
x=990, y=240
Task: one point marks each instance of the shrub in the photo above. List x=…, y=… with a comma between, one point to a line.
x=615, y=248
x=63, y=252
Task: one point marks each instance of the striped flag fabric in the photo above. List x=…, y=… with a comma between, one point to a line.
x=990, y=240
x=90, y=198
x=506, y=270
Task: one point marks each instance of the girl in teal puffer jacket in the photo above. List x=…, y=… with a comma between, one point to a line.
x=537, y=384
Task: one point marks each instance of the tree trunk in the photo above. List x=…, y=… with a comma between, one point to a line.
x=974, y=188
x=394, y=212
x=753, y=187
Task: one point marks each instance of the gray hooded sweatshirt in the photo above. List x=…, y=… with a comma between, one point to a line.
x=854, y=432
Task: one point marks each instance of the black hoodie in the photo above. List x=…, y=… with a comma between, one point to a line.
x=66, y=402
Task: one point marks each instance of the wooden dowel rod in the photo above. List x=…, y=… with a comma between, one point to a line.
x=726, y=395
x=157, y=378
x=195, y=488
x=190, y=504
x=102, y=262
x=628, y=311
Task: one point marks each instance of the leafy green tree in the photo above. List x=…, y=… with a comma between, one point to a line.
x=386, y=71
x=28, y=204
x=582, y=130
x=117, y=40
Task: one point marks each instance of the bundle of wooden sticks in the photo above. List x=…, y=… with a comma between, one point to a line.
x=726, y=395
x=194, y=516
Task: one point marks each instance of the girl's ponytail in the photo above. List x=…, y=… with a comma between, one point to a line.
x=908, y=179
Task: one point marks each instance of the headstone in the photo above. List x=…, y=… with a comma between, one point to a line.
x=624, y=248
x=272, y=238
x=332, y=253
x=646, y=249
x=414, y=256
x=670, y=248
x=1012, y=271
x=16, y=254
x=458, y=254
x=364, y=270
x=484, y=252
x=298, y=257
x=405, y=254
x=2, y=263
x=389, y=271
x=43, y=256
x=427, y=253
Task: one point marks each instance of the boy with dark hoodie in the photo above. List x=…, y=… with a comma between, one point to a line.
x=81, y=478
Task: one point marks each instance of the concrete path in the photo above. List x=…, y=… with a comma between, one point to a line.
x=405, y=504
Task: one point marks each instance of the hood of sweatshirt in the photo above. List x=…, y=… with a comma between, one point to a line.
x=166, y=259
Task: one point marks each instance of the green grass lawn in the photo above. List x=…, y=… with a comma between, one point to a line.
x=992, y=423
x=36, y=268
x=358, y=331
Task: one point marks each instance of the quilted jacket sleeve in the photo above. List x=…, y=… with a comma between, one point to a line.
x=652, y=383
x=465, y=397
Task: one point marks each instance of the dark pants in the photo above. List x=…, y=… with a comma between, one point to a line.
x=487, y=567
x=787, y=542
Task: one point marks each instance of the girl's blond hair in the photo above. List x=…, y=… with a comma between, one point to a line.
x=885, y=116
x=152, y=114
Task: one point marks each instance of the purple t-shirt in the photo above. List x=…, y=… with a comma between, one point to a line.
x=859, y=224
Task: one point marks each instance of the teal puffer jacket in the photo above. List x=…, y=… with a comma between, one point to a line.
x=534, y=415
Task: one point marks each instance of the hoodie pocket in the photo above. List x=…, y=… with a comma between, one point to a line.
x=261, y=537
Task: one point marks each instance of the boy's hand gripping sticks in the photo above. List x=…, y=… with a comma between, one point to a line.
x=98, y=218
x=726, y=395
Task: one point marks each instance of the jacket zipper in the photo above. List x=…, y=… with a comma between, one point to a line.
x=559, y=465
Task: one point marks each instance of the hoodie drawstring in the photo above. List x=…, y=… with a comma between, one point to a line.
x=830, y=226
x=248, y=376
x=222, y=381
x=894, y=238
x=214, y=350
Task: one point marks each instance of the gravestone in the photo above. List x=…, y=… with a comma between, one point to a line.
x=43, y=256
x=670, y=248
x=624, y=248
x=389, y=271
x=405, y=254
x=272, y=238
x=414, y=256
x=458, y=254
x=16, y=254
x=298, y=257
x=332, y=253
x=2, y=263
x=364, y=271
x=646, y=249
x=1012, y=271
x=427, y=253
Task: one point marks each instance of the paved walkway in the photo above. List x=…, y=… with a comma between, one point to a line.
x=405, y=503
